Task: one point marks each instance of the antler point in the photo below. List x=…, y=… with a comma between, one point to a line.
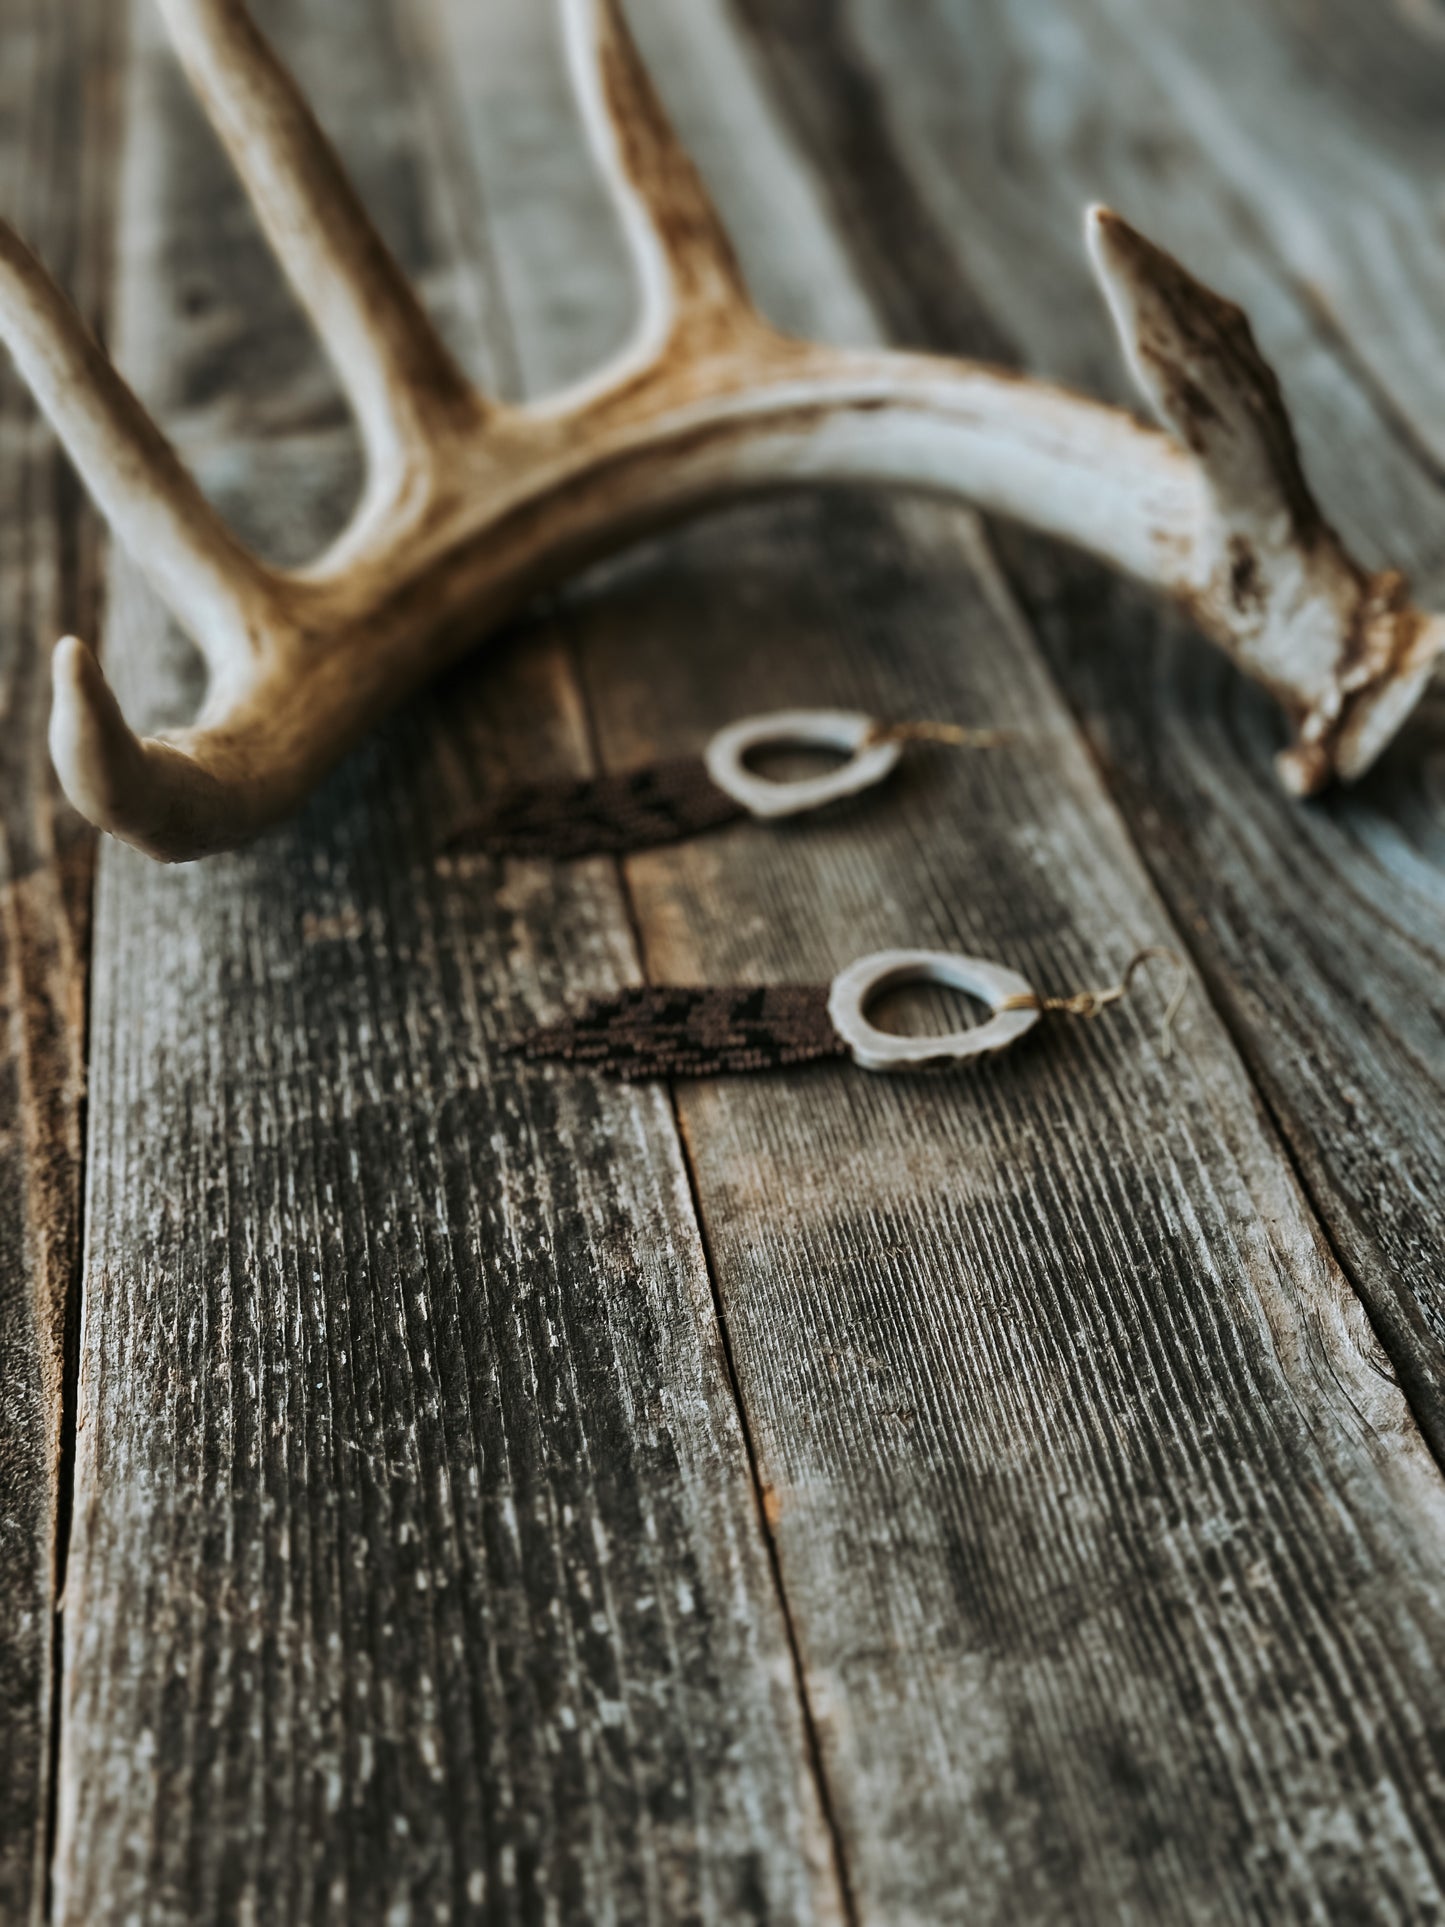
x=97, y=755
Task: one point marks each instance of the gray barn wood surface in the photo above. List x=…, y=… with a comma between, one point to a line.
x=55, y=136
x=483, y=1494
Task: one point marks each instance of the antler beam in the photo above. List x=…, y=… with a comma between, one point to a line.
x=472, y=506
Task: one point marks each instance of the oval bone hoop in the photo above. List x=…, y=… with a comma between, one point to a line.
x=870, y=759
x=862, y=983
x=471, y=507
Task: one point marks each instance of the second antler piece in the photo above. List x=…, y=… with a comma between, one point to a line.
x=471, y=507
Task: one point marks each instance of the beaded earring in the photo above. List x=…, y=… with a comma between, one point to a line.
x=663, y=1031
x=670, y=801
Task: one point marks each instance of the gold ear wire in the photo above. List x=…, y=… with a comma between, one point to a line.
x=954, y=735
x=1091, y=1003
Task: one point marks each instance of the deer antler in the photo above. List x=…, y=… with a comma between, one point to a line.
x=471, y=506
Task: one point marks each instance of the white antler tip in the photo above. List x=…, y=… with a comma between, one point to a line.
x=97, y=756
x=1133, y=274
x=1099, y=217
x=1117, y=250
x=1132, y=269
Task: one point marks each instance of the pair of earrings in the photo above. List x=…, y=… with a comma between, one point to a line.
x=658, y=1032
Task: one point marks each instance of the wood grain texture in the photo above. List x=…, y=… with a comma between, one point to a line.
x=418, y=1570
x=54, y=138
x=1113, y=1551
x=1102, y=1521
x=959, y=143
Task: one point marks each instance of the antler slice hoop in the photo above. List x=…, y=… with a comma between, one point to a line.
x=471, y=506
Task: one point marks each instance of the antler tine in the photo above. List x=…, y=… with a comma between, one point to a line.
x=214, y=587
x=1344, y=651
x=135, y=789
x=406, y=389
x=1194, y=356
x=691, y=285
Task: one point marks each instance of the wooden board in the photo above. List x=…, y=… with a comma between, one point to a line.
x=1101, y=1518
x=958, y=144
x=54, y=136
x=418, y=1569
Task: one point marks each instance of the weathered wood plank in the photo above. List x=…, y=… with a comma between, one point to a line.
x=1101, y=1520
x=54, y=137
x=418, y=1570
x=959, y=143
x=1113, y=1551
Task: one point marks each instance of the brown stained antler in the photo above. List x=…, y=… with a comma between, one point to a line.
x=471, y=506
